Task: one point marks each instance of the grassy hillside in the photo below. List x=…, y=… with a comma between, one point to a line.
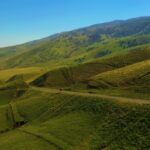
x=59, y=121
x=80, y=45
x=28, y=74
x=12, y=88
x=136, y=74
x=82, y=71
x=82, y=80
x=67, y=76
x=75, y=50
x=6, y=96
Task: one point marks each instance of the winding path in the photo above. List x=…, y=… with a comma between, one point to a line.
x=115, y=98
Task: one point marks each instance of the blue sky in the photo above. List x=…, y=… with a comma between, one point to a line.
x=26, y=20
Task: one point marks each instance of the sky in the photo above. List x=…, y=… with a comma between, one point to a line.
x=27, y=20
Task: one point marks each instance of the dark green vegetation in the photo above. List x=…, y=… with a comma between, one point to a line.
x=99, y=62
x=60, y=121
x=12, y=89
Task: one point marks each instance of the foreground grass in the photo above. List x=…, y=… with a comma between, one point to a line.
x=135, y=92
x=16, y=140
x=61, y=121
x=131, y=92
x=5, y=97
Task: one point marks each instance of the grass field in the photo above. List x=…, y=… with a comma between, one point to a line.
x=88, y=89
x=29, y=73
x=61, y=121
x=136, y=74
x=67, y=76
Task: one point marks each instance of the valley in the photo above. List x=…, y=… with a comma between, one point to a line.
x=87, y=89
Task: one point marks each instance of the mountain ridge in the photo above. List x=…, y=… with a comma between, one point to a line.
x=73, y=43
x=85, y=89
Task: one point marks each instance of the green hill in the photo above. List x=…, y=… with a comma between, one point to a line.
x=136, y=74
x=67, y=76
x=80, y=45
x=86, y=89
x=60, y=121
x=28, y=73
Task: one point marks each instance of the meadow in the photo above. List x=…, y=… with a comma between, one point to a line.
x=86, y=89
x=61, y=121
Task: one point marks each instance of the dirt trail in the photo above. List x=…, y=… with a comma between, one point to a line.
x=115, y=98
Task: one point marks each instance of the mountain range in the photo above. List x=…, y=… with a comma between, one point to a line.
x=86, y=89
x=80, y=45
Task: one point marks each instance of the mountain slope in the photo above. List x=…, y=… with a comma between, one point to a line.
x=29, y=73
x=85, y=76
x=68, y=76
x=76, y=44
x=60, y=121
x=137, y=74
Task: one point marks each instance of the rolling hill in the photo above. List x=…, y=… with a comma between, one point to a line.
x=80, y=45
x=67, y=76
x=86, y=89
x=28, y=73
x=136, y=74
x=60, y=121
